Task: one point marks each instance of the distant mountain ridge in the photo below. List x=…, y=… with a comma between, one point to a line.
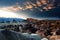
x=10, y=19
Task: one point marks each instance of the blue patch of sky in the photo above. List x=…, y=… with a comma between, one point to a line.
x=7, y=2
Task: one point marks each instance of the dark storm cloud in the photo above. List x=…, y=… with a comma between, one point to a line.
x=57, y=3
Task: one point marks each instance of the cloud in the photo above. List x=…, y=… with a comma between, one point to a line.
x=38, y=3
x=30, y=5
x=44, y=1
x=11, y=8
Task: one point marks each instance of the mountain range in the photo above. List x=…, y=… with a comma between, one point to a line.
x=10, y=19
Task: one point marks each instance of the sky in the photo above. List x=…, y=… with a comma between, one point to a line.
x=30, y=8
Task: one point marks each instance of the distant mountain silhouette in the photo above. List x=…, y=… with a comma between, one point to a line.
x=10, y=19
